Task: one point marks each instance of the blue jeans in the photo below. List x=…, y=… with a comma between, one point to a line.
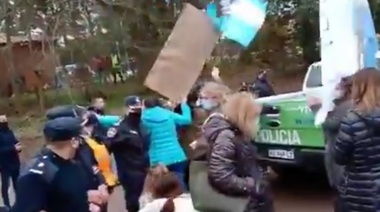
x=179, y=170
x=6, y=176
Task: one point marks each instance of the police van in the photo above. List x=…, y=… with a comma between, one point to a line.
x=290, y=139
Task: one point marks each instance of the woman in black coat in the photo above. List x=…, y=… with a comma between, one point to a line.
x=357, y=146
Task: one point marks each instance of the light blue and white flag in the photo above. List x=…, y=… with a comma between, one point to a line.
x=365, y=25
x=241, y=19
x=348, y=44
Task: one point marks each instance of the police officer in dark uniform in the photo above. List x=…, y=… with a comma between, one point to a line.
x=129, y=144
x=54, y=180
x=84, y=152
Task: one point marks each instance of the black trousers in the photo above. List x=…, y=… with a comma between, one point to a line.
x=6, y=176
x=132, y=184
x=187, y=174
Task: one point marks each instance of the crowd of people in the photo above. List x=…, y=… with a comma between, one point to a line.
x=74, y=170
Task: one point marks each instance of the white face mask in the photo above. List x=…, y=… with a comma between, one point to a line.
x=338, y=94
x=208, y=104
x=75, y=143
x=198, y=103
x=87, y=131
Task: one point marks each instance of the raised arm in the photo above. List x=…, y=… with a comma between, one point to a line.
x=184, y=118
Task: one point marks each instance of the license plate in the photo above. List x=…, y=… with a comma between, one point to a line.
x=280, y=153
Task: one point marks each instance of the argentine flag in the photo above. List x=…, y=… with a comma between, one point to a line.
x=366, y=28
x=348, y=44
x=241, y=19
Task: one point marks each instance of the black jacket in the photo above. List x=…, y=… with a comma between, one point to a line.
x=51, y=183
x=86, y=156
x=8, y=154
x=263, y=88
x=99, y=133
x=232, y=161
x=358, y=148
x=130, y=147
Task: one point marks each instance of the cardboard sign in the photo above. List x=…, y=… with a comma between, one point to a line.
x=181, y=60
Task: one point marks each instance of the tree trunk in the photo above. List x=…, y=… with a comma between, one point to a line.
x=13, y=75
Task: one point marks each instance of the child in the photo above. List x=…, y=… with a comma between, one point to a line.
x=167, y=194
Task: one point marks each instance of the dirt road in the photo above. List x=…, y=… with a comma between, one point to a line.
x=300, y=192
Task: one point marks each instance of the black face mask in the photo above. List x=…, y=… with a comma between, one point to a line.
x=135, y=115
x=4, y=126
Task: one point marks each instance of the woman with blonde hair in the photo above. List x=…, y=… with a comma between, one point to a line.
x=358, y=144
x=233, y=168
x=212, y=95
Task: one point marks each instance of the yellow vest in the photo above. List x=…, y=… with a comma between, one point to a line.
x=104, y=161
x=115, y=62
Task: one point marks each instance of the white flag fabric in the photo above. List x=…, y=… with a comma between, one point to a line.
x=348, y=43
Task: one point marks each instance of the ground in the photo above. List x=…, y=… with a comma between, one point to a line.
x=298, y=193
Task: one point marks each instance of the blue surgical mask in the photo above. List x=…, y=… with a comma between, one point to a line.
x=208, y=104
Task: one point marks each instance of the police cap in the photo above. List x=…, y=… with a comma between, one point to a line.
x=62, y=129
x=132, y=101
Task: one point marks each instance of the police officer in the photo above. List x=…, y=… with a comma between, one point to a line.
x=129, y=144
x=54, y=180
x=84, y=152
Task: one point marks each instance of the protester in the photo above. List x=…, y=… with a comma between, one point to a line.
x=357, y=145
x=161, y=125
x=101, y=153
x=331, y=126
x=54, y=181
x=86, y=155
x=168, y=195
x=262, y=86
x=153, y=174
x=97, y=105
x=10, y=147
x=129, y=144
x=212, y=95
x=232, y=161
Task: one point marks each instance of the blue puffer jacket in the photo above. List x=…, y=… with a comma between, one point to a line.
x=161, y=124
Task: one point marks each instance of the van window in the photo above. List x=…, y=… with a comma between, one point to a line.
x=315, y=77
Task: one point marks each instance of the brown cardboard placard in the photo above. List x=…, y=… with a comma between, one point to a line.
x=181, y=60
